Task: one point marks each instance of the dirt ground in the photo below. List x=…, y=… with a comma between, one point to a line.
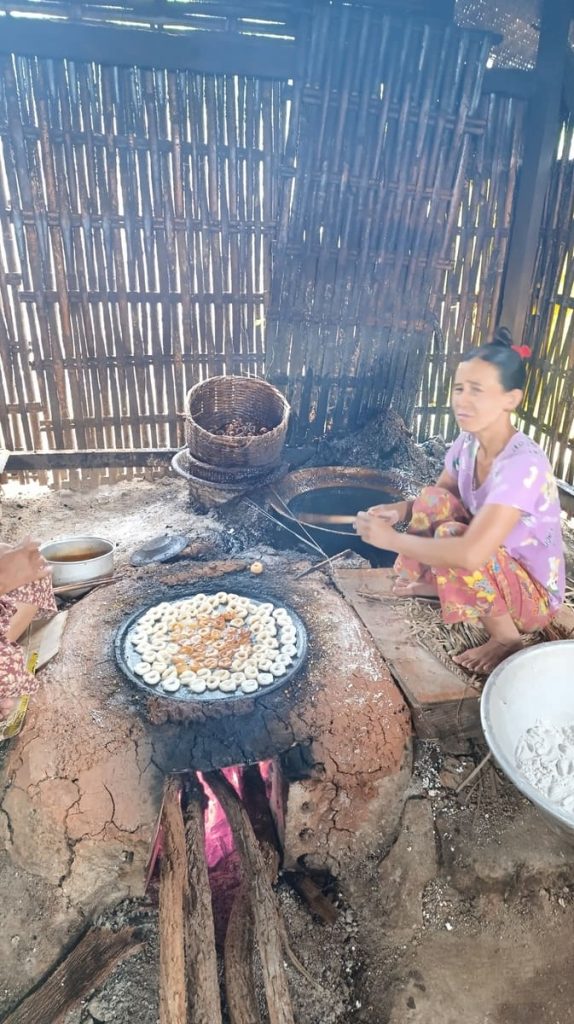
x=467, y=916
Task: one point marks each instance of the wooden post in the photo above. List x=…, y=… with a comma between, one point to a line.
x=542, y=120
x=173, y=899
x=268, y=924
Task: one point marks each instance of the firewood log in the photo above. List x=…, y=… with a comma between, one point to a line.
x=268, y=922
x=173, y=902
x=238, y=957
x=201, y=956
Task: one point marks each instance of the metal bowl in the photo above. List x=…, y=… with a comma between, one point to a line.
x=533, y=685
x=82, y=559
x=352, y=489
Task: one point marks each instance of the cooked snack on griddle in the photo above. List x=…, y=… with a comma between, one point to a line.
x=217, y=641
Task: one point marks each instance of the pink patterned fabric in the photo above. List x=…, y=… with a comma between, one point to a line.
x=521, y=477
x=14, y=677
x=502, y=585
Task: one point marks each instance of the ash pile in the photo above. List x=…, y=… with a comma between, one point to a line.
x=385, y=442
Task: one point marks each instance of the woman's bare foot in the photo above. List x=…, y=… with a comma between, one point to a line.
x=487, y=656
x=504, y=640
x=413, y=588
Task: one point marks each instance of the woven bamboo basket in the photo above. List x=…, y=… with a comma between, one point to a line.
x=206, y=494
x=211, y=404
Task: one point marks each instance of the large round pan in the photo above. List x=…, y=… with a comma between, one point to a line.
x=127, y=657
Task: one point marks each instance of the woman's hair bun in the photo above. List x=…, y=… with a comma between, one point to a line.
x=502, y=336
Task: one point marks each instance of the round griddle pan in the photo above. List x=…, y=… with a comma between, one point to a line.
x=127, y=657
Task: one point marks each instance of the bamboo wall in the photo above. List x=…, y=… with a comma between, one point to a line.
x=136, y=210
x=549, y=399
x=343, y=233
x=468, y=294
x=401, y=197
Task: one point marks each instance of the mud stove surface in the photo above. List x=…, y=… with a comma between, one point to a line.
x=87, y=775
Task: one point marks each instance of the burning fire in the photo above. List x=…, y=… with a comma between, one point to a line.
x=218, y=836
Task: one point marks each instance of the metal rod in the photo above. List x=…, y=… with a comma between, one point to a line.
x=318, y=565
x=287, y=511
x=88, y=583
x=273, y=519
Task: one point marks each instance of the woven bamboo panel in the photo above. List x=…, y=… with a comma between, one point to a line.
x=137, y=210
x=379, y=150
x=467, y=301
x=549, y=399
x=344, y=235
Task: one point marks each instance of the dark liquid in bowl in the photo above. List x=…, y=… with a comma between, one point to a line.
x=340, y=501
x=77, y=556
x=346, y=501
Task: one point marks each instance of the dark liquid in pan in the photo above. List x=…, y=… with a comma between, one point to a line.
x=77, y=556
x=339, y=501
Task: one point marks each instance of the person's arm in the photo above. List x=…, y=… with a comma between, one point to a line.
x=486, y=533
x=449, y=483
x=20, y=565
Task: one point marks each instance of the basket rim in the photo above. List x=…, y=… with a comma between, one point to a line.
x=237, y=442
x=272, y=474
x=253, y=472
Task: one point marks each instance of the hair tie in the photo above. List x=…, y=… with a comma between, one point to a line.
x=523, y=351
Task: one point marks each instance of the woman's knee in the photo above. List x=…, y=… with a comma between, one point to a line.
x=23, y=615
x=450, y=529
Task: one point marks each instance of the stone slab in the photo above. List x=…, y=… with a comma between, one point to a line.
x=441, y=702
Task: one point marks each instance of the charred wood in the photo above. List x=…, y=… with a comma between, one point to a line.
x=311, y=894
x=83, y=969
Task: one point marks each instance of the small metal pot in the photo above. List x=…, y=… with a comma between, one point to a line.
x=76, y=560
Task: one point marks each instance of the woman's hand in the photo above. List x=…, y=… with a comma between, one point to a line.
x=376, y=530
x=21, y=564
x=397, y=512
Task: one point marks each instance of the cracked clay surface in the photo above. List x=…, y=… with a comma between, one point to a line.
x=81, y=786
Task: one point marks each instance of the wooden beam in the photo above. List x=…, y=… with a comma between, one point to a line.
x=209, y=52
x=542, y=121
x=102, y=458
x=566, y=492
x=509, y=82
x=34, y=462
x=429, y=10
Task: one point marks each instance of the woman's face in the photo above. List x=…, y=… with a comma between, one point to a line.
x=478, y=398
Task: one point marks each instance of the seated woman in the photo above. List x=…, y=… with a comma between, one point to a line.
x=486, y=539
x=25, y=591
